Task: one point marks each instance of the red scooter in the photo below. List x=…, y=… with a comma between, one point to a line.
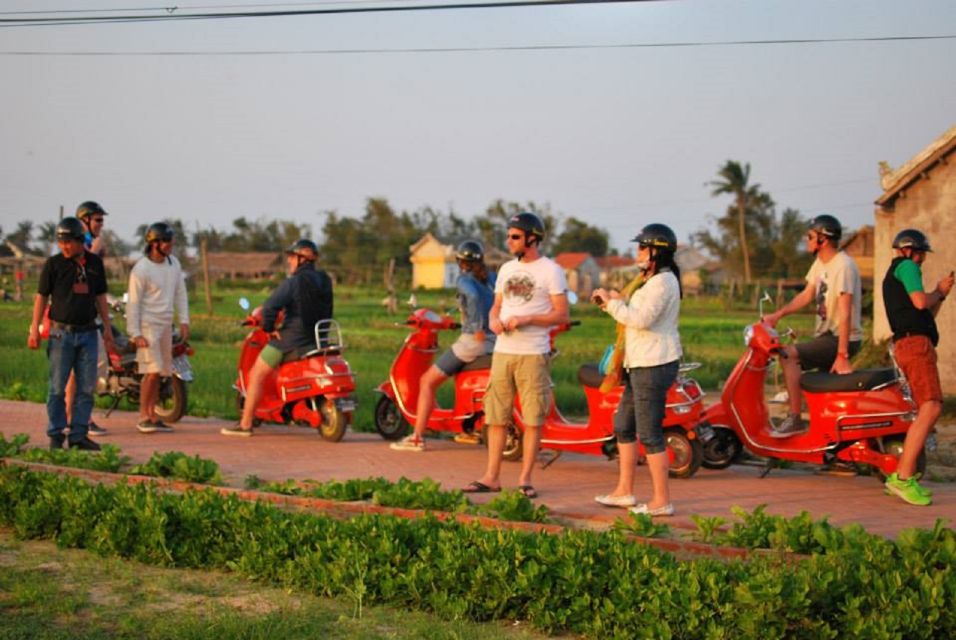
x=858, y=418
x=313, y=388
x=396, y=408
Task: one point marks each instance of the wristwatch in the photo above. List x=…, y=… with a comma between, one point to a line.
x=843, y=354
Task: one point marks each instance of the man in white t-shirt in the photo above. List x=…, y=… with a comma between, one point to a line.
x=833, y=285
x=156, y=289
x=530, y=298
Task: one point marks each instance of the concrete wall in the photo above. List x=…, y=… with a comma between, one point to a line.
x=929, y=204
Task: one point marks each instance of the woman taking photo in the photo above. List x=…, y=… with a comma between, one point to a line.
x=476, y=287
x=651, y=357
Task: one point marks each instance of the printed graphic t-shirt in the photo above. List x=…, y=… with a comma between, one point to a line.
x=526, y=289
x=830, y=280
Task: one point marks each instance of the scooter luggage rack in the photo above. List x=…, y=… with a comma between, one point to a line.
x=328, y=338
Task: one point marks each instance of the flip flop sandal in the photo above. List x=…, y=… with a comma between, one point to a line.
x=528, y=491
x=479, y=487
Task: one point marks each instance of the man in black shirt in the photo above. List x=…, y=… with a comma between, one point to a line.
x=75, y=282
x=306, y=298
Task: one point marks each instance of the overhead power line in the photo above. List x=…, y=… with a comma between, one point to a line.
x=533, y=47
x=173, y=13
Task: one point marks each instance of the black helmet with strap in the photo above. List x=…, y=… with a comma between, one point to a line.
x=470, y=251
x=88, y=209
x=304, y=248
x=70, y=228
x=826, y=225
x=159, y=232
x=911, y=239
x=657, y=235
x=528, y=222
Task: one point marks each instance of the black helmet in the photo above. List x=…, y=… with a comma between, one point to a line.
x=911, y=239
x=826, y=225
x=159, y=232
x=528, y=222
x=70, y=228
x=470, y=251
x=657, y=235
x=88, y=208
x=304, y=248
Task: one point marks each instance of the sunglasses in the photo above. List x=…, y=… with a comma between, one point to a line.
x=516, y=236
x=100, y=220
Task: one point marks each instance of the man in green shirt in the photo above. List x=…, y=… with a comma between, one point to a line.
x=912, y=312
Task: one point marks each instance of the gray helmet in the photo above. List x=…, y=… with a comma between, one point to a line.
x=528, y=222
x=70, y=228
x=657, y=235
x=826, y=225
x=159, y=232
x=88, y=208
x=470, y=251
x=911, y=239
x=304, y=248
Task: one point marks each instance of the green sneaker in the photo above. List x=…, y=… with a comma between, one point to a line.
x=909, y=490
x=926, y=492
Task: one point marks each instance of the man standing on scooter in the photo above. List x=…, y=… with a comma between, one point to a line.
x=912, y=315
x=833, y=284
x=157, y=288
x=530, y=298
x=306, y=298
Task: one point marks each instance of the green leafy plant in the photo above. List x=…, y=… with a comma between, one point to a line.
x=641, y=524
x=178, y=465
x=107, y=459
x=511, y=504
x=708, y=528
x=14, y=446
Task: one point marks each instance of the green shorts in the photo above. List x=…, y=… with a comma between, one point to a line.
x=529, y=376
x=271, y=355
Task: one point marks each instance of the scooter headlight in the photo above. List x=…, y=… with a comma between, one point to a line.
x=748, y=334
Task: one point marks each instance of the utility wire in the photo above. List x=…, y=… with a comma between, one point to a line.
x=537, y=47
x=175, y=15
x=181, y=8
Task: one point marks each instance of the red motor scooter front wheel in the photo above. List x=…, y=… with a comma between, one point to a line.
x=389, y=421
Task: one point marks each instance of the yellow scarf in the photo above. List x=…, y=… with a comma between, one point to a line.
x=613, y=376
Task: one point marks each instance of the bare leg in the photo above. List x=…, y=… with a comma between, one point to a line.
x=658, y=464
x=148, y=395
x=530, y=442
x=627, y=461
x=69, y=396
x=495, y=433
x=430, y=381
x=926, y=417
x=791, y=374
x=257, y=377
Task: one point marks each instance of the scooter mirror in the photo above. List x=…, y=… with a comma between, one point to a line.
x=572, y=297
x=244, y=303
x=125, y=297
x=764, y=298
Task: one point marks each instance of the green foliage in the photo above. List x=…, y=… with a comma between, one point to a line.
x=107, y=459
x=511, y=504
x=641, y=524
x=708, y=529
x=14, y=446
x=578, y=583
x=178, y=465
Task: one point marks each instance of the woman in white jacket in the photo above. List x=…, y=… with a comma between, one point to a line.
x=652, y=353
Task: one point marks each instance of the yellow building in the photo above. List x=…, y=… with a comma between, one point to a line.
x=433, y=264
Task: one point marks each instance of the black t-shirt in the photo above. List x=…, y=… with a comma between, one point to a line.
x=73, y=286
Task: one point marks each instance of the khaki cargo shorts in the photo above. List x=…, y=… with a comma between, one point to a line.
x=529, y=376
x=158, y=356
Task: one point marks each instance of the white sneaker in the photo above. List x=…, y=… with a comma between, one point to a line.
x=409, y=443
x=616, y=501
x=666, y=510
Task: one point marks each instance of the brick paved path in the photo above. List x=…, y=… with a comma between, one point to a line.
x=567, y=487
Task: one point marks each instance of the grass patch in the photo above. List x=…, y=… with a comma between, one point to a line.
x=47, y=593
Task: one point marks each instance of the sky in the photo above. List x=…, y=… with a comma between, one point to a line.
x=291, y=117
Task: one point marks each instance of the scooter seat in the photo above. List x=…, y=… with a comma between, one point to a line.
x=862, y=380
x=307, y=352
x=589, y=374
x=481, y=362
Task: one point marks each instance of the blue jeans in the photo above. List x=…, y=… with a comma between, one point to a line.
x=641, y=412
x=71, y=351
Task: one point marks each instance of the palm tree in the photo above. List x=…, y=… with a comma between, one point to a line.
x=733, y=180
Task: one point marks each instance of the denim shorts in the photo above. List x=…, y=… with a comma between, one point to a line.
x=641, y=412
x=821, y=351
